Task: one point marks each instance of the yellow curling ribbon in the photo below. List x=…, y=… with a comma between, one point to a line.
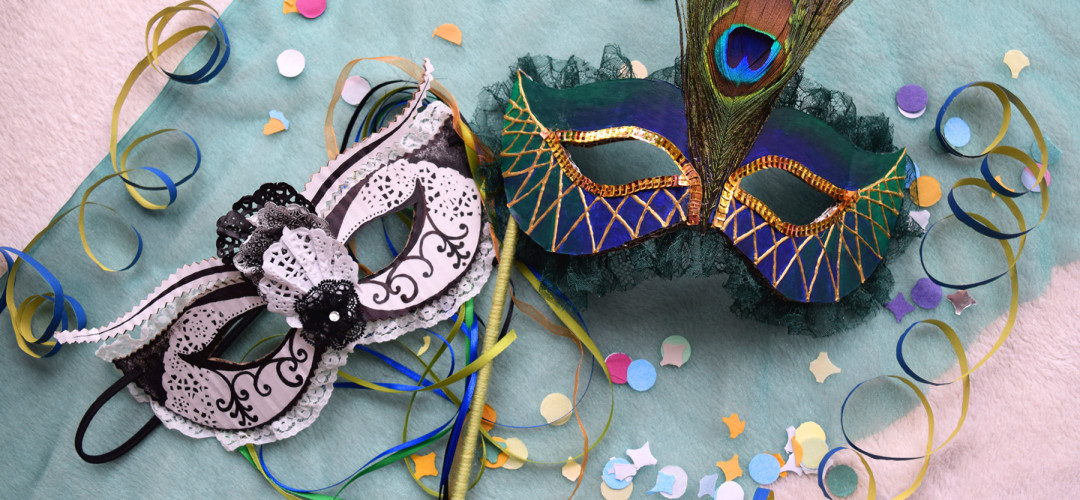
x=21, y=316
x=416, y=73
x=983, y=226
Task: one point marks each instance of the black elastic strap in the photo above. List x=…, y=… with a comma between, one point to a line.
x=92, y=412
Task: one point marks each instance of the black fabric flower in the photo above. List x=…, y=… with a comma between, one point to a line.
x=330, y=313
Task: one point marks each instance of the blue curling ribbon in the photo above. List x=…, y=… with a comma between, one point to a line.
x=194, y=170
x=213, y=65
x=463, y=410
x=473, y=337
x=821, y=467
x=58, y=297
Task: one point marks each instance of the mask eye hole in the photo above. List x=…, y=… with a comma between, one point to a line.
x=248, y=337
x=621, y=162
x=789, y=197
x=370, y=240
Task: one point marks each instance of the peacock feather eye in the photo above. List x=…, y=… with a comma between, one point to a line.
x=744, y=54
x=747, y=42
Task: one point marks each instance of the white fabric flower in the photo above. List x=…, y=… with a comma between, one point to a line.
x=297, y=264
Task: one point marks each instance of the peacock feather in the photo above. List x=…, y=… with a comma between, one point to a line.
x=737, y=55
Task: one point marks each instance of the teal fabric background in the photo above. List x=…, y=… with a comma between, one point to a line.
x=875, y=47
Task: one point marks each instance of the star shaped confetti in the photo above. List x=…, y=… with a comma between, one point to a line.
x=425, y=465
x=665, y=483
x=961, y=300
x=673, y=355
x=707, y=485
x=642, y=456
x=822, y=367
x=900, y=307
x=735, y=426
x=731, y=468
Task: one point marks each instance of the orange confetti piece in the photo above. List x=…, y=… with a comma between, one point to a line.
x=448, y=32
x=797, y=448
x=925, y=191
x=781, y=460
x=501, y=459
x=735, y=426
x=731, y=468
x=273, y=126
x=425, y=465
x=288, y=7
x=488, y=418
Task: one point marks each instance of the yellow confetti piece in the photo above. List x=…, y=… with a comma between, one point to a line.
x=425, y=465
x=448, y=32
x=518, y=454
x=1016, y=61
x=571, y=470
x=808, y=430
x=731, y=468
x=814, y=449
x=288, y=7
x=613, y=494
x=273, y=126
x=556, y=408
x=424, y=348
x=735, y=426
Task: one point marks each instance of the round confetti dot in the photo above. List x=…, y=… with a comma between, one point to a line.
x=1028, y=179
x=677, y=340
x=556, y=408
x=925, y=191
x=356, y=87
x=956, y=132
x=311, y=8
x=610, y=493
x=926, y=294
x=290, y=63
x=641, y=375
x=841, y=481
x=638, y=68
x=618, y=363
x=1053, y=154
x=809, y=430
x=681, y=479
x=518, y=454
x=730, y=491
x=764, y=469
x=814, y=449
x=911, y=100
x=609, y=474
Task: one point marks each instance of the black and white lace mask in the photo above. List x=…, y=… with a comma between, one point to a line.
x=285, y=251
